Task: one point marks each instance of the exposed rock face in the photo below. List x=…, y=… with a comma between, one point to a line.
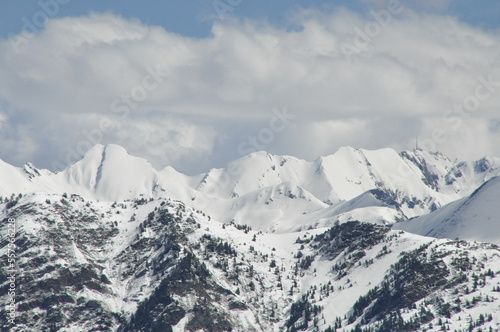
x=157, y=265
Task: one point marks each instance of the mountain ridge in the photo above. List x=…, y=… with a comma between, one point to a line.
x=269, y=243
x=472, y=218
x=159, y=265
x=409, y=184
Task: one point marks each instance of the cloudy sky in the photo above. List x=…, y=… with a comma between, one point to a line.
x=197, y=84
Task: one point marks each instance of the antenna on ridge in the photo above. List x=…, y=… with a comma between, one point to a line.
x=416, y=143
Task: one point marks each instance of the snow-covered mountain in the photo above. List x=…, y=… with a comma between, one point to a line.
x=268, y=243
x=473, y=218
x=273, y=193
x=158, y=265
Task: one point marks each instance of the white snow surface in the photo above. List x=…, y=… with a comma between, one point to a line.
x=473, y=218
x=281, y=247
x=271, y=193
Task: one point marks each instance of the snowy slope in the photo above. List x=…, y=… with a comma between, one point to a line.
x=145, y=265
x=268, y=243
x=473, y=218
x=272, y=193
x=110, y=172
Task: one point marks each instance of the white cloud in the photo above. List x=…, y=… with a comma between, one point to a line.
x=166, y=141
x=69, y=77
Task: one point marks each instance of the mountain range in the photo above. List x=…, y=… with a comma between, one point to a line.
x=380, y=186
x=356, y=241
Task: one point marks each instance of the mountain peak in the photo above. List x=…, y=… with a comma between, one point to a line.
x=111, y=173
x=473, y=218
x=414, y=184
x=114, y=149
